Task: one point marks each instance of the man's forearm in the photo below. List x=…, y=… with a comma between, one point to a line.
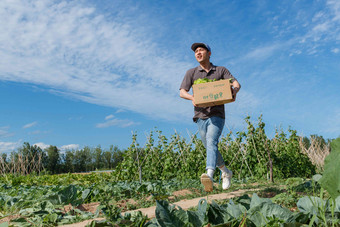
x=185, y=95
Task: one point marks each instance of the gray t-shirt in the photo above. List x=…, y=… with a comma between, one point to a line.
x=216, y=72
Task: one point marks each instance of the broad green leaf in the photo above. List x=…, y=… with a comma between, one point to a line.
x=196, y=218
x=163, y=214
x=331, y=175
x=260, y=214
x=244, y=200
x=46, y=205
x=68, y=195
x=85, y=193
x=310, y=204
x=218, y=214
x=202, y=210
x=256, y=200
x=236, y=210
x=317, y=177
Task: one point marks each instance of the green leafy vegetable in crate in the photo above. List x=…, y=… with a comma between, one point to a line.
x=206, y=80
x=203, y=80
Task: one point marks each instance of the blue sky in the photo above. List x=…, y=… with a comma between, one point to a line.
x=89, y=73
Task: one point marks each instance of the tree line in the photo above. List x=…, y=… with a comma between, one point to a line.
x=31, y=158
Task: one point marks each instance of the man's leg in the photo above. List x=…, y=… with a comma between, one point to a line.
x=214, y=131
x=210, y=130
x=226, y=177
x=206, y=178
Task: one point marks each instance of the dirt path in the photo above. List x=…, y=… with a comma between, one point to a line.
x=184, y=204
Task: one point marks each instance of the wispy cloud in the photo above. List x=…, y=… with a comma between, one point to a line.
x=109, y=117
x=120, y=111
x=304, y=34
x=62, y=148
x=4, y=132
x=29, y=125
x=324, y=27
x=335, y=50
x=76, y=51
x=261, y=53
x=9, y=146
x=69, y=147
x=42, y=145
x=110, y=121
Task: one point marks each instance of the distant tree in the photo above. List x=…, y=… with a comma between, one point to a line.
x=4, y=157
x=117, y=156
x=306, y=142
x=82, y=160
x=53, y=159
x=319, y=140
x=107, y=156
x=98, y=158
x=32, y=158
x=112, y=157
x=69, y=162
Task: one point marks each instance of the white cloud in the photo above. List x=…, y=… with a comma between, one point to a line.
x=69, y=147
x=261, y=53
x=77, y=52
x=303, y=33
x=9, y=146
x=42, y=145
x=112, y=121
x=109, y=117
x=61, y=148
x=325, y=26
x=335, y=50
x=30, y=125
x=120, y=111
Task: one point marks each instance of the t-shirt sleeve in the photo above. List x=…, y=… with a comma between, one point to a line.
x=187, y=80
x=228, y=75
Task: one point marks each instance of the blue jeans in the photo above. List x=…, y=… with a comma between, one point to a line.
x=210, y=131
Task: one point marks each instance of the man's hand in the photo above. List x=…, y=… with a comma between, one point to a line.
x=235, y=90
x=193, y=102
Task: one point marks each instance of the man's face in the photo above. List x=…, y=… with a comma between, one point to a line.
x=202, y=54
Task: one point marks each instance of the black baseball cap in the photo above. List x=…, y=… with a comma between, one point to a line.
x=195, y=45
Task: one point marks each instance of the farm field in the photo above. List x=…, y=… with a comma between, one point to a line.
x=72, y=198
x=276, y=181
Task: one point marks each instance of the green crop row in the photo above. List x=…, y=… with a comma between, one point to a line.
x=247, y=154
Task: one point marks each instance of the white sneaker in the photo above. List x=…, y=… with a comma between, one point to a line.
x=207, y=182
x=226, y=179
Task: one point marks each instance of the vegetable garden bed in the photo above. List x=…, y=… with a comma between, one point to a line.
x=52, y=200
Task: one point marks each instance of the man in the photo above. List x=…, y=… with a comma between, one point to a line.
x=210, y=120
